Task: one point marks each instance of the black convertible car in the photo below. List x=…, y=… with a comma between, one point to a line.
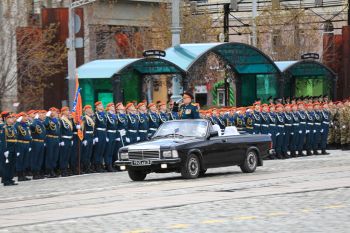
x=190, y=147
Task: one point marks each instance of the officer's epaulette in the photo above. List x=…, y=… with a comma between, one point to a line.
x=194, y=104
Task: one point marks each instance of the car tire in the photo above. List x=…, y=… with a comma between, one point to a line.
x=250, y=162
x=191, y=168
x=136, y=175
x=202, y=172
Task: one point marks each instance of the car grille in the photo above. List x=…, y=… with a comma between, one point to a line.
x=143, y=154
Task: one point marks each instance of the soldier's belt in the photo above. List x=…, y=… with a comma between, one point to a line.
x=272, y=124
x=303, y=123
x=38, y=140
x=249, y=127
x=101, y=129
x=132, y=131
x=67, y=137
x=282, y=126
x=51, y=136
x=154, y=129
x=75, y=133
x=325, y=122
x=296, y=124
x=112, y=131
x=143, y=131
x=310, y=123
x=317, y=123
x=264, y=125
x=257, y=124
x=11, y=140
x=89, y=132
x=23, y=141
x=288, y=124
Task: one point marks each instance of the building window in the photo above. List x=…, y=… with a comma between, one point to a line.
x=276, y=39
x=221, y=97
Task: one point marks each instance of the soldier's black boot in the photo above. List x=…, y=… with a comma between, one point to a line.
x=36, y=176
x=22, y=177
x=316, y=152
x=64, y=173
x=110, y=168
x=52, y=174
x=293, y=154
x=300, y=153
x=285, y=155
x=308, y=152
x=324, y=152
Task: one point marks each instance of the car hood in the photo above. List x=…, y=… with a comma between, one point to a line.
x=160, y=143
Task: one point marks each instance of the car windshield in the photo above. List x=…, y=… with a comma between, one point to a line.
x=182, y=129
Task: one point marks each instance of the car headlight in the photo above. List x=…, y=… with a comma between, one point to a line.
x=167, y=154
x=175, y=154
x=124, y=155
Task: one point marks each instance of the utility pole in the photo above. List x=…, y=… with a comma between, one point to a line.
x=175, y=40
x=72, y=55
x=254, y=14
x=226, y=22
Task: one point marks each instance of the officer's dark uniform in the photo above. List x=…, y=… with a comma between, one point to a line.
x=22, y=149
x=111, y=140
x=302, y=131
x=88, y=127
x=189, y=111
x=65, y=144
x=100, y=140
x=326, y=115
x=133, y=126
x=8, y=161
x=280, y=134
x=153, y=123
x=294, y=140
x=38, y=147
x=309, y=136
x=143, y=126
x=53, y=131
x=288, y=130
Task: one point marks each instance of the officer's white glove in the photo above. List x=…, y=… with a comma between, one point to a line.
x=138, y=138
x=30, y=149
x=18, y=154
x=300, y=131
x=96, y=140
x=107, y=139
x=36, y=116
x=127, y=140
x=78, y=127
x=19, y=119
x=344, y=126
x=72, y=143
x=117, y=139
x=85, y=143
x=6, y=153
x=48, y=113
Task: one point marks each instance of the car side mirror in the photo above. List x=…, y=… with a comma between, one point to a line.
x=213, y=134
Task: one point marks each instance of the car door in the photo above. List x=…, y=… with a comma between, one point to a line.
x=235, y=149
x=214, y=152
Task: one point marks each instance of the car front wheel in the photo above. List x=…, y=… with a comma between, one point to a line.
x=250, y=163
x=136, y=175
x=191, y=168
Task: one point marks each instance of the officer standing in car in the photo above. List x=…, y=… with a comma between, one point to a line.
x=188, y=110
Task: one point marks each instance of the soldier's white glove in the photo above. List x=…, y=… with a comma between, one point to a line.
x=344, y=126
x=19, y=119
x=107, y=139
x=44, y=144
x=78, y=127
x=138, y=138
x=6, y=153
x=314, y=131
x=72, y=143
x=30, y=149
x=96, y=140
x=117, y=139
x=300, y=131
x=269, y=134
x=62, y=144
x=307, y=131
x=127, y=140
x=277, y=134
x=85, y=143
x=122, y=132
x=48, y=113
x=291, y=133
x=18, y=154
x=93, y=142
x=36, y=116
x=322, y=130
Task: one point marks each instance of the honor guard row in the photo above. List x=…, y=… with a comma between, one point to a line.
x=46, y=144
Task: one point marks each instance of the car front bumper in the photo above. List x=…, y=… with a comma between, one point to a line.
x=153, y=162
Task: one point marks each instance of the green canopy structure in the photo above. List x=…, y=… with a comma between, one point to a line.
x=307, y=78
x=256, y=75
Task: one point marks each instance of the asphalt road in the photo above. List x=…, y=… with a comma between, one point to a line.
x=309, y=194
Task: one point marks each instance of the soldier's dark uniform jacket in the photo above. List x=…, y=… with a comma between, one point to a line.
x=122, y=126
x=326, y=115
x=163, y=117
x=273, y=128
x=256, y=122
x=111, y=139
x=53, y=130
x=88, y=128
x=100, y=138
x=154, y=123
x=264, y=123
x=240, y=122
x=302, y=130
x=133, y=126
x=173, y=115
x=143, y=126
x=38, y=145
x=280, y=133
x=66, y=143
x=249, y=122
x=23, y=140
x=310, y=117
x=288, y=129
x=189, y=111
x=230, y=119
x=217, y=121
x=8, y=161
x=295, y=133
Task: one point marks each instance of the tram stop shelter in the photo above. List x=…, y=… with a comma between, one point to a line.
x=120, y=80
x=256, y=75
x=307, y=78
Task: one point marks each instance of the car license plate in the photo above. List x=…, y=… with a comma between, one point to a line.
x=140, y=162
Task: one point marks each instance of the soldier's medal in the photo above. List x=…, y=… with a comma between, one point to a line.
x=188, y=111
